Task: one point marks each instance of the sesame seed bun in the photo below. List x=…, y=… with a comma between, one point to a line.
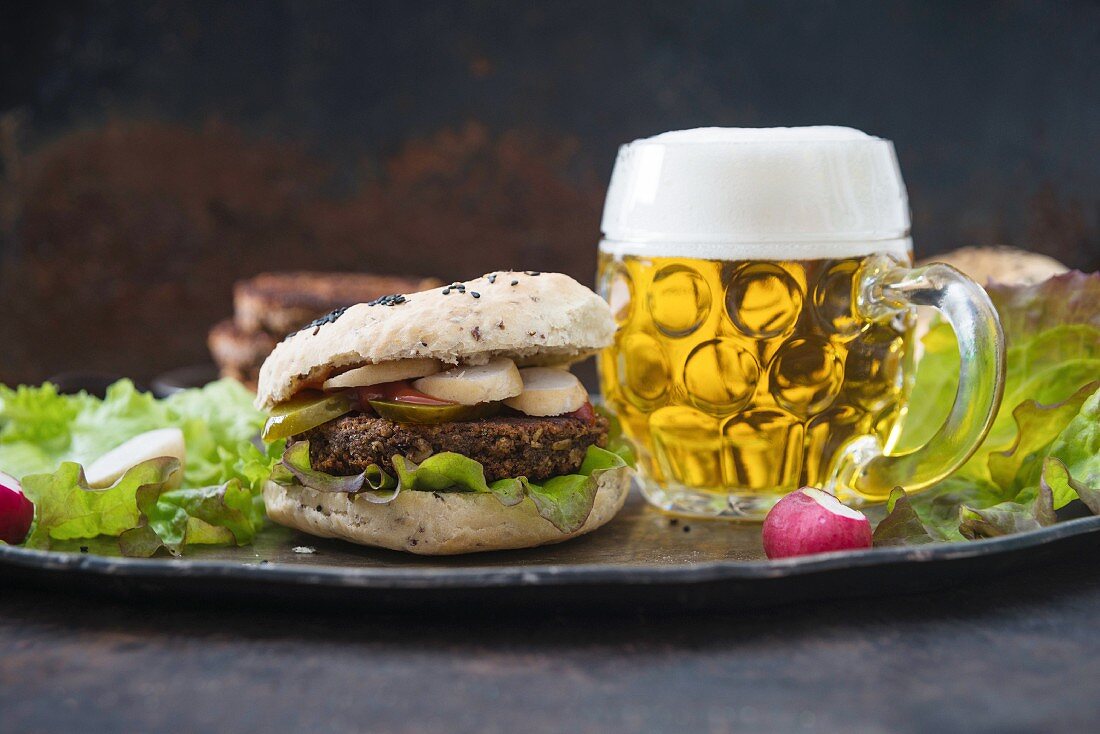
x=434, y=523
x=546, y=318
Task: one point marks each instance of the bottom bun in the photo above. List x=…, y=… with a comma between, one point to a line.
x=434, y=523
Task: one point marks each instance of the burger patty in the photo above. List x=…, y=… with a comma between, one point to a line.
x=507, y=446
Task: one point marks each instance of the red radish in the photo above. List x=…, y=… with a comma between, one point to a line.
x=809, y=521
x=16, y=511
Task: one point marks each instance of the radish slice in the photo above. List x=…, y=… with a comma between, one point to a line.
x=16, y=511
x=376, y=374
x=548, y=391
x=486, y=383
x=107, y=469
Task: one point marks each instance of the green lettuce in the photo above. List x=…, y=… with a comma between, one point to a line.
x=66, y=507
x=170, y=518
x=564, y=501
x=46, y=438
x=1076, y=453
x=372, y=484
x=1057, y=479
x=1043, y=450
x=1005, y=518
x=901, y=526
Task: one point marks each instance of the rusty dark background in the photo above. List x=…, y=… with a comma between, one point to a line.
x=151, y=153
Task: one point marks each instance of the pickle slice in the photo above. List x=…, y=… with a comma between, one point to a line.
x=304, y=411
x=402, y=412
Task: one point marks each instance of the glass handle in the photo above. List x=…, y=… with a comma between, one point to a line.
x=887, y=289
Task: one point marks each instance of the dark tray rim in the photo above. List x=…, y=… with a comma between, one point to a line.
x=487, y=577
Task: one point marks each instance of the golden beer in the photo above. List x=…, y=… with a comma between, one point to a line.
x=746, y=378
x=762, y=283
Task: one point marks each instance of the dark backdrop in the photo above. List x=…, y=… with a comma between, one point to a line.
x=151, y=153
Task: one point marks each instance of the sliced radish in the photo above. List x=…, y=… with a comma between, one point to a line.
x=809, y=521
x=376, y=374
x=496, y=380
x=548, y=391
x=107, y=469
x=16, y=511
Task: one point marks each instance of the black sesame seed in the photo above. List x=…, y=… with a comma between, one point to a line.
x=319, y=508
x=446, y=291
x=393, y=299
x=492, y=277
x=532, y=273
x=687, y=528
x=316, y=324
x=475, y=294
x=515, y=282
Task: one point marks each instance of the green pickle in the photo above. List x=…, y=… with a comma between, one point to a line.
x=306, y=411
x=405, y=412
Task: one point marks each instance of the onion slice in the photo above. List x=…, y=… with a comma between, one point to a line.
x=548, y=391
x=376, y=374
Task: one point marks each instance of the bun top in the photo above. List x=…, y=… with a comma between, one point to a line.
x=533, y=318
x=1005, y=265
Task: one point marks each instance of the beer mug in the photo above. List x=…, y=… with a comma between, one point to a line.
x=763, y=287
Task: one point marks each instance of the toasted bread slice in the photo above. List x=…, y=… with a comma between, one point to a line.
x=281, y=302
x=1000, y=264
x=232, y=346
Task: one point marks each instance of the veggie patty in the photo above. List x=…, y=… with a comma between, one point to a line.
x=507, y=446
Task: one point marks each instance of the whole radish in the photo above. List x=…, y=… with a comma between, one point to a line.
x=809, y=521
x=16, y=511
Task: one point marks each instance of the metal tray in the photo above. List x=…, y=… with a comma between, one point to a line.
x=642, y=559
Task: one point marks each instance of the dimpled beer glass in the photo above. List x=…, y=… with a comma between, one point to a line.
x=762, y=284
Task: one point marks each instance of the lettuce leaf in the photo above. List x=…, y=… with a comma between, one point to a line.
x=1056, y=478
x=901, y=526
x=617, y=442
x=564, y=501
x=46, y=437
x=1077, y=451
x=373, y=484
x=1038, y=428
x=1042, y=450
x=171, y=518
x=1006, y=518
x=66, y=507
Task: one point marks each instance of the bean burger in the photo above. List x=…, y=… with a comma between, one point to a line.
x=445, y=421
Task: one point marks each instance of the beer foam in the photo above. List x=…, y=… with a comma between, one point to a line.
x=900, y=249
x=816, y=133
x=764, y=193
